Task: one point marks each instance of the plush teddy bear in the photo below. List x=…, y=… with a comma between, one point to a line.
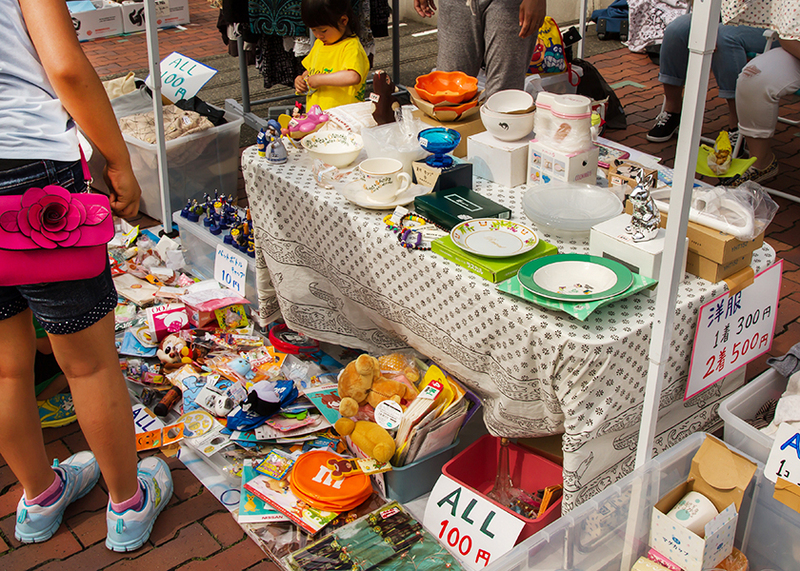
x=370, y=438
x=360, y=382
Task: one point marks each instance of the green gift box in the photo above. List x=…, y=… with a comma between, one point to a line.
x=493, y=269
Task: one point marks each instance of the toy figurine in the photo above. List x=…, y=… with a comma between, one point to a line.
x=646, y=218
x=383, y=102
x=298, y=127
x=185, y=211
x=194, y=211
x=275, y=150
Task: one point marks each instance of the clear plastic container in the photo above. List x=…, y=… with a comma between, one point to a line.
x=611, y=530
x=743, y=404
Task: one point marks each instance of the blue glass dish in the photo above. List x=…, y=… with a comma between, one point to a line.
x=439, y=141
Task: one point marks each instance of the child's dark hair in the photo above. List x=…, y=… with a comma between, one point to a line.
x=328, y=13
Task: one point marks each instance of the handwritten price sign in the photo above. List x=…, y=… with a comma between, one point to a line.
x=732, y=330
x=474, y=530
x=784, y=458
x=230, y=269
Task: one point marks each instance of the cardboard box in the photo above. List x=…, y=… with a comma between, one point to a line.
x=493, y=269
x=546, y=164
x=178, y=14
x=622, y=172
x=720, y=475
x=503, y=162
x=610, y=240
x=466, y=127
x=712, y=244
x=98, y=23
x=452, y=206
x=706, y=269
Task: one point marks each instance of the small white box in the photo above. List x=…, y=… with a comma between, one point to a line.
x=546, y=164
x=610, y=240
x=99, y=23
x=720, y=475
x=133, y=15
x=503, y=162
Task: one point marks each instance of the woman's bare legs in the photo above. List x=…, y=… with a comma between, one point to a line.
x=21, y=441
x=90, y=362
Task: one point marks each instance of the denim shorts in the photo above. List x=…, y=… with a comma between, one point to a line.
x=61, y=307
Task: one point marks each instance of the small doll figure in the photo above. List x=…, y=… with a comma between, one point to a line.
x=187, y=208
x=275, y=151
x=646, y=218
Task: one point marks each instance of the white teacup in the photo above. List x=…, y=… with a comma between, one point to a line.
x=384, y=179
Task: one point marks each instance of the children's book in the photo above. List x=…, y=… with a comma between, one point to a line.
x=277, y=494
x=253, y=509
x=326, y=398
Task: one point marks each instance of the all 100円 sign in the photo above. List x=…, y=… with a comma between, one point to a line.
x=732, y=330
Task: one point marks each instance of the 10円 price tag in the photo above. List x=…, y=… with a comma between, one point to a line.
x=230, y=269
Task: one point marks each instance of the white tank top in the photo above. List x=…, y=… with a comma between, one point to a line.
x=34, y=123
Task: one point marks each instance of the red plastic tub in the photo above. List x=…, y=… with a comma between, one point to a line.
x=476, y=468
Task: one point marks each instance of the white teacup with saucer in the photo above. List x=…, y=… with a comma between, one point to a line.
x=384, y=179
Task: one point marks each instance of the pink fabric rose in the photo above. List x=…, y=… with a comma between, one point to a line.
x=51, y=218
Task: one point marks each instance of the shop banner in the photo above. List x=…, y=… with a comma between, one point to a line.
x=732, y=330
x=472, y=528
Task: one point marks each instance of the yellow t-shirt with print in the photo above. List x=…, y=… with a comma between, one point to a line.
x=343, y=55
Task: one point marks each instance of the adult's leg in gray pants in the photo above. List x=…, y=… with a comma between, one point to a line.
x=490, y=36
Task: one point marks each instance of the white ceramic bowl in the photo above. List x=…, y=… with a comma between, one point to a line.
x=336, y=148
x=567, y=208
x=509, y=100
x=507, y=126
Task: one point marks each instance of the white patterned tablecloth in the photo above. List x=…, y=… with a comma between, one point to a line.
x=336, y=273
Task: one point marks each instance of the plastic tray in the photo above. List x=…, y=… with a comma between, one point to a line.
x=611, y=530
x=743, y=404
x=412, y=481
x=476, y=468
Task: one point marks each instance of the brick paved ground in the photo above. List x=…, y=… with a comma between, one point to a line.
x=195, y=533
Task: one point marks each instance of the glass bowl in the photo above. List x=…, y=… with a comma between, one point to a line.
x=569, y=207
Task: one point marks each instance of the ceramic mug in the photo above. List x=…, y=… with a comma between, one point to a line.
x=384, y=179
x=693, y=512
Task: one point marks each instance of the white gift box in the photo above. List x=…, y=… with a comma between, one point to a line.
x=546, y=164
x=503, y=162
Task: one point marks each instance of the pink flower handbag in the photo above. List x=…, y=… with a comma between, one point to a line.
x=51, y=235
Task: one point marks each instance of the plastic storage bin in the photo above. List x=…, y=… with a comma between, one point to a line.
x=744, y=404
x=196, y=164
x=611, y=530
x=201, y=251
x=410, y=482
x=476, y=468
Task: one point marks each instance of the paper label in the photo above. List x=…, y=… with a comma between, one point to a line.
x=388, y=414
x=732, y=330
x=784, y=458
x=181, y=77
x=472, y=528
x=230, y=269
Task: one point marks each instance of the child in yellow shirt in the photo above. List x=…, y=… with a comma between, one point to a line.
x=337, y=66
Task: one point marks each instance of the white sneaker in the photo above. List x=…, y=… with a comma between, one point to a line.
x=127, y=531
x=36, y=523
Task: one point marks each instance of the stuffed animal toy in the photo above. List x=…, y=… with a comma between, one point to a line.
x=384, y=104
x=173, y=350
x=371, y=439
x=360, y=382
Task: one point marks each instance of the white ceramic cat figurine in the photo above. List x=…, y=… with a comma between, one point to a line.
x=646, y=218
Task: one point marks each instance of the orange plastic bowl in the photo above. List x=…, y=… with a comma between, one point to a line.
x=446, y=86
